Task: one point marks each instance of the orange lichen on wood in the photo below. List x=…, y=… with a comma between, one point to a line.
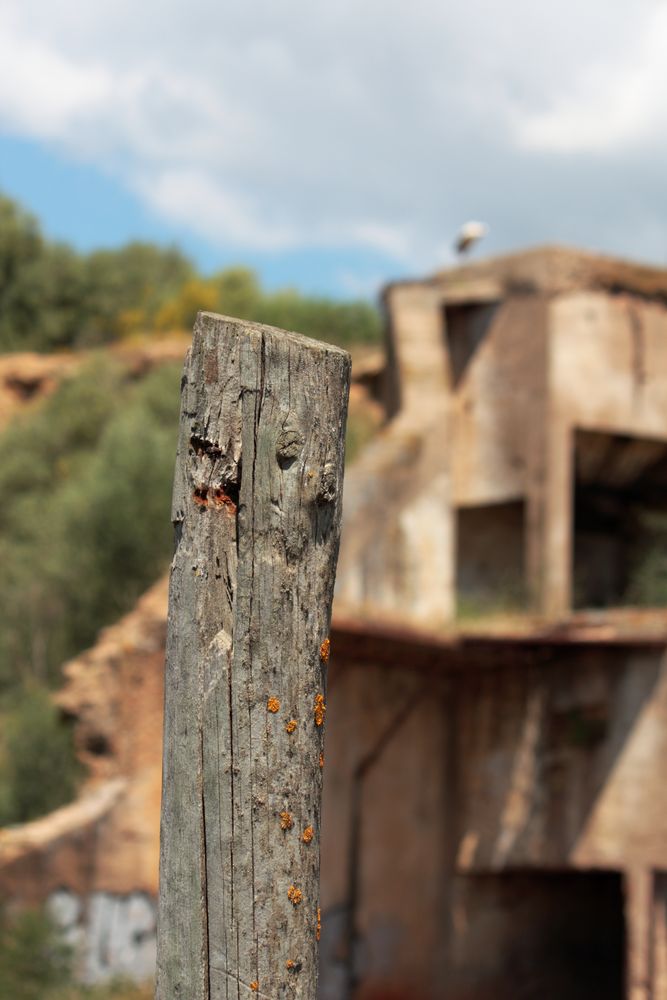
x=322, y=760
x=254, y=986
x=291, y=726
x=307, y=835
x=325, y=650
x=286, y=821
x=290, y=964
x=318, y=929
x=273, y=705
x=205, y=497
x=294, y=895
x=319, y=709
x=218, y=498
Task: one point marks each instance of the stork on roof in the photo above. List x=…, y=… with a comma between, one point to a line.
x=469, y=234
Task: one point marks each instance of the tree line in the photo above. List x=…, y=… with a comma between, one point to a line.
x=52, y=297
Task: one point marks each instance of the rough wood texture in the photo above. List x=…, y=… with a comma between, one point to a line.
x=257, y=506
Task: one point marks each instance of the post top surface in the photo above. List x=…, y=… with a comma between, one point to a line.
x=252, y=328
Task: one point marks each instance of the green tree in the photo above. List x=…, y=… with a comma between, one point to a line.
x=38, y=766
x=21, y=254
x=85, y=484
x=138, y=278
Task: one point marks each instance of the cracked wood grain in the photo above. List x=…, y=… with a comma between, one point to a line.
x=256, y=510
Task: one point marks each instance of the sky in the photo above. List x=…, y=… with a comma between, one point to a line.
x=335, y=146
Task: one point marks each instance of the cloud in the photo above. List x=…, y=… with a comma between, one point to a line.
x=42, y=93
x=361, y=124
x=190, y=196
x=611, y=105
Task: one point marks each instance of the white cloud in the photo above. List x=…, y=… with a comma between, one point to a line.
x=365, y=123
x=191, y=197
x=612, y=104
x=42, y=92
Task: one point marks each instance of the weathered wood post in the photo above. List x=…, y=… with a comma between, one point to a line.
x=257, y=506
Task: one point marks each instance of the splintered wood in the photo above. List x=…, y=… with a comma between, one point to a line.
x=256, y=509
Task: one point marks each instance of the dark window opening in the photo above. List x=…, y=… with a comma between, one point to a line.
x=24, y=387
x=538, y=936
x=620, y=521
x=466, y=326
x=490, y=545
x=98, y=744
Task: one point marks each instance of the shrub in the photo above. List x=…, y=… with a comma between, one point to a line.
x=35, y=964
x=38, y=766
x=85, y=485
x=33, y=959
x=647, y=583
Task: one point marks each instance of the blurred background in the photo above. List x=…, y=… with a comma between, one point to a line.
x=312, y=167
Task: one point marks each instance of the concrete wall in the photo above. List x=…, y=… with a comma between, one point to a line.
x=561, y=762
x=383, y=836
x=607, y=366
x=454, y=801
x=608, y=362
x=389, y=564
x=498, y=406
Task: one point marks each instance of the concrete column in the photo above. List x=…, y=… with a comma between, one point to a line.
x=638, y=907
x=556, y=589
x=659, y=938
x=416, y=330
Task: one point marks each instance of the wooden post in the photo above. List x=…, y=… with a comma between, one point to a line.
x=257, y=506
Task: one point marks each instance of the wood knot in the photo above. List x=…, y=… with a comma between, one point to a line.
x=289, y=444
x=294, y=895
x=291, y=726
x=328, y=485
x=325, y=650
x=308, y=835
x=286, y=821
x=319, y=709
x=273, y=705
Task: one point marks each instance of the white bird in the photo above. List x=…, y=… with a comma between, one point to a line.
x=469, y=234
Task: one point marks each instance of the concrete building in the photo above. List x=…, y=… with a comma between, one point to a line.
x=529, y=396
x=499, y=705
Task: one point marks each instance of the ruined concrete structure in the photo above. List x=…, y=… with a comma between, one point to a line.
x=495, y=812
x=530, y=403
